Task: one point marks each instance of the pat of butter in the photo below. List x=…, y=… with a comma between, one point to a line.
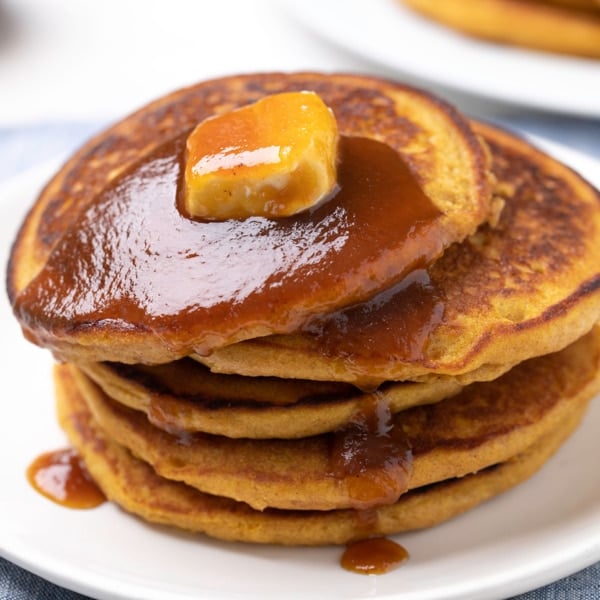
x=273, y=158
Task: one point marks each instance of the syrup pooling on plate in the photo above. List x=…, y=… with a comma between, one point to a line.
x=62, y=477
x=134, y=261
x=373, y=556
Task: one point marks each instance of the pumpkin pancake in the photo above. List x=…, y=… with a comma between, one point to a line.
x=528, y=286
x=485, y=424
x=150, y=285
x=593, y=5
x=135, y=486
x=563, y=26
x=184, y=396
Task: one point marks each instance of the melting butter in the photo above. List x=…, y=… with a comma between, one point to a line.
x=274, y=158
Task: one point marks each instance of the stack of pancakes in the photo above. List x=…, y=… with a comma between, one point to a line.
x=562, y=26
x=338, y=377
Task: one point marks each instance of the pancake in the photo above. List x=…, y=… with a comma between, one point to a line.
x=184, y=396
x=593, y=5
x=133, y=485
x=118, y=300
x=526, y=287
x=485, y=424
x=563, y=26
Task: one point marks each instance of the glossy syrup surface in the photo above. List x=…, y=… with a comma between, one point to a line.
x=62, y=477
x=133, y=261
x=372, y=457
x=394, y=326
x=374, y=556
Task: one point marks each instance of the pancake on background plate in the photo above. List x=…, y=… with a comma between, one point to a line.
x=562, y=26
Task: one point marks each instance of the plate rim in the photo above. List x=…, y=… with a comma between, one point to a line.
x=310, y=16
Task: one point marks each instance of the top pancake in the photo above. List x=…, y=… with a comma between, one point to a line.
x=526, y=287
x=133, y=325
x=584, y=4
x=562, y=26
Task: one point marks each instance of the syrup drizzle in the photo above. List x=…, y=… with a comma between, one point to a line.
x=372, y=457
x=118, y=265
x=395, y=324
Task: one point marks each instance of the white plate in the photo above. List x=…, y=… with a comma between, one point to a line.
x=543, y=530
x=388, y=33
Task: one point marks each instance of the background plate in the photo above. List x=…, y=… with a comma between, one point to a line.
x=388, y=33
x=538, y=532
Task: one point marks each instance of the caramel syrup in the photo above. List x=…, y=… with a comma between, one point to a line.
x=372, y=457
x=62, y=477
x=133, y=261
x=394, y=326
x=373, y=556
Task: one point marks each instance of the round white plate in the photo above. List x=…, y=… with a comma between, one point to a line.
x=388, y=33
x=538, y=532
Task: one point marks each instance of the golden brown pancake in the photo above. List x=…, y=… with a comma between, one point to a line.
x=526, y=287
x=593, y=5
x=485, y=424
x=563, y=26
x=113, y=206
x=184, y=396
x=134, y=485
